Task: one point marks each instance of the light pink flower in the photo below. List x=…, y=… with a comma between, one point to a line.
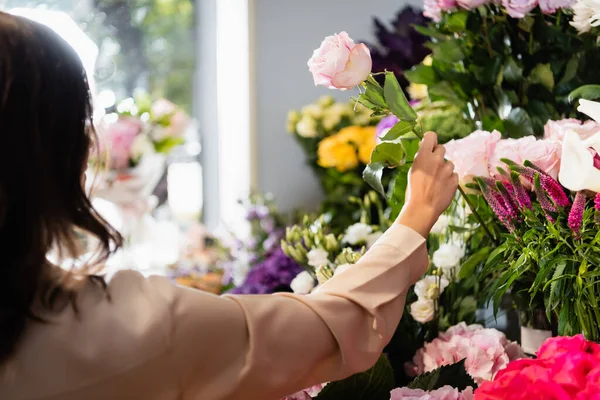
x=471, y=4
x=507, y=148
x=555, y=130
x=471, y=154
x=543, y=153
x=551, y=6
x=307, y=394
x=486, y=351
x=118, y=137
x=431, y=9
x=443, y=393
x=340, y=63
x=519, y=8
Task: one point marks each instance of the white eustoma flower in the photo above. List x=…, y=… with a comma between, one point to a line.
x=422, y=311
x=586, y=14
x=357, y=233
x=318, y=258
x=341, y=268
x=307, y=127
x=448, y=256
x=372, y=238
x=441, y=225
x=431, y=287
x=313, y=110
x=579, y=166
x=303, y=283
x=590, y=108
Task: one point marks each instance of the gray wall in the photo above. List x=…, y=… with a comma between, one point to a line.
x=286, y=33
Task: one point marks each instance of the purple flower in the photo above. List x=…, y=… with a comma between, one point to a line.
x=576, y=214
x=274, y=273
x=551, y=6
x=546, y=204
x=496, y=202
x=506, y=197
x=521, y=194
x=555, y=191
x=385, y=124
x=597, y=202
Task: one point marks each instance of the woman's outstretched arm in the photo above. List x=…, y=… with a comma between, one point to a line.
x=265, y=347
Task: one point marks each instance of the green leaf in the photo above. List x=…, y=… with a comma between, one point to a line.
x=396, y=100
x=512, y=72
x=469, y=266
x=570, y=69
x=448, y=51
x=542, y=74
x=374, y=384
x=400, y=129
x=444, y=91
x=372, y=175
x=390, y=154
x=166, y=145
x=374, y=92
x=588, y=92
x=518, y=123
x=454, y=375
x=457, y=21
x=422, y=74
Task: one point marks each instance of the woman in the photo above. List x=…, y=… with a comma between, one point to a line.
x=74, y=336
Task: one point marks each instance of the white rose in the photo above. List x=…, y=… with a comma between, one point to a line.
x=307, y=127
x=448, y=256
x=317, y=258
x=312, y=110
x=431, y=287
x=422, y=311
x=441, y=225
x=341, y=268
x=357, y=233
x=303, y=283
x=372, y=238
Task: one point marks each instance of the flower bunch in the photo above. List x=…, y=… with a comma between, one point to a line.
x=443, y=393
x=486, y=351
x=139, y=127
x=566, y=368
x=508, y=65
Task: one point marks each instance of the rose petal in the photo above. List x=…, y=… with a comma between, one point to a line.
x=357, y=69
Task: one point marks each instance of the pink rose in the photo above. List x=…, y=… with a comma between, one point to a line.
x=471, y=154
x=340, y=63
x=543, y=153
x=555, y=130
x=119, y=137
x=509, y=149
x=519, y=8
x=471, y=4
x=433, y=8
x=550, y=6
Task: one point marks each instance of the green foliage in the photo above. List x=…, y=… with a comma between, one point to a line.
x=374, y=384
x=509, y=74
x=454, y=375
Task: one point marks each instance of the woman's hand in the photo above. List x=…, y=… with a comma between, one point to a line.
x=432, y=184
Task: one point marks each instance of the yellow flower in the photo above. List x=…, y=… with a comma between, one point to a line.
x=417, y=91
x=325, y=101
x=427, y=61
x=344, y=150
x=334, y=152
x=292, y=119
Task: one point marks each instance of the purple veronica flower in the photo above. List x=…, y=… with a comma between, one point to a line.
x=506, y=197
x=576, y=214
x=543, y=199
x=274, y=273
x=597, y=202
x=555, y=191
x=521, y=194
x=496, y=202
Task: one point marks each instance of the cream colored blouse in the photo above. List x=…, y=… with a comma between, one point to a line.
x=155, y=341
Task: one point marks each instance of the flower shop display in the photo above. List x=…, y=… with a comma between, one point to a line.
x=509, y=65
x=566, y=368
x=337, y=138
x=543, y=193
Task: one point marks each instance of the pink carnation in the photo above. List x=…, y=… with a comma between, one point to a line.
x=443, y=393
x=471, y=154
x=486, y=351
x=567, y=368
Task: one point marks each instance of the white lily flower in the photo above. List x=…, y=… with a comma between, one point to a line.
x=590, y=108
x=577, y=170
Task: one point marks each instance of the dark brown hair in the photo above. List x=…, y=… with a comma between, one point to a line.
x=46, y=132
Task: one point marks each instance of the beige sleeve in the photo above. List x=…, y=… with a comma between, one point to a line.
x=266, y=347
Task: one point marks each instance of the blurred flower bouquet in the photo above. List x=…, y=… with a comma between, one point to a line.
x=509, y=65
x=133, y=144
x=337, y=139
